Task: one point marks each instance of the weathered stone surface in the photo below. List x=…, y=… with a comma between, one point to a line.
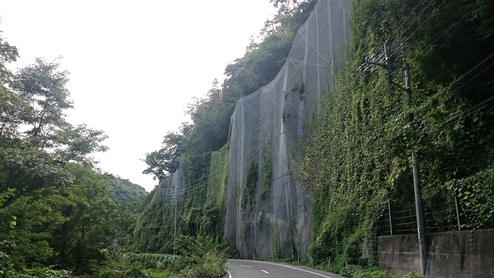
x=268, y=125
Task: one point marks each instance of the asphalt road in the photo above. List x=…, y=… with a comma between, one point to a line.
x=262, y=269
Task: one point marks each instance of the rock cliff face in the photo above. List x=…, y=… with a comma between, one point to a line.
x=250, y=187
x=267, y=213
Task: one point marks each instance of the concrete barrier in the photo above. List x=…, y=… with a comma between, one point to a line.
x=465, y=254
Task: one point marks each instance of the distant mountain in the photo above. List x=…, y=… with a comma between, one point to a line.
x=124, y=190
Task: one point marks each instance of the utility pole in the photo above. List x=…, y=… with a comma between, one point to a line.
x=419, y=211
x=175, y=221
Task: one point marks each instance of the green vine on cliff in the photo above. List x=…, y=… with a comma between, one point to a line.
x=267, y=171
x=358, y=153
x=250, y=185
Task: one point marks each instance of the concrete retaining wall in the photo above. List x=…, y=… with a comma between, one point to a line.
x=450, y=254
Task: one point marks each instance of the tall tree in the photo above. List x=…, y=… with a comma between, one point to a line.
x=42, y=193
x=74, y=144
x=163, y=162
x=11, y=106
x=43, y=88
x=90, y=221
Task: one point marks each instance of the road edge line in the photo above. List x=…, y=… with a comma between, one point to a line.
x=292, y=267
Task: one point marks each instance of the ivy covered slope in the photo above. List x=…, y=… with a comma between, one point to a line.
x=358, y=154
x=192, y=194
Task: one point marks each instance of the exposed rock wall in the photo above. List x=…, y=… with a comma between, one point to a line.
x=267, y=213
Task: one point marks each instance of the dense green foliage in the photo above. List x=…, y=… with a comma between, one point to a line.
x=197, y=257
x=154, y=226
x=358, y=152
x=163, y=162
x=57, y=215
x=356, y=271
x=199, y=208
x=124, y=190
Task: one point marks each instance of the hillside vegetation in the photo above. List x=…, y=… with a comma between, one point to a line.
x=357, y=157
x=124, y=190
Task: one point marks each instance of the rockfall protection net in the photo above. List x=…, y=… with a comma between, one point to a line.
x=267, y=213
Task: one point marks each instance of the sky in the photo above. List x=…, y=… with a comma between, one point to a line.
x=134, y=65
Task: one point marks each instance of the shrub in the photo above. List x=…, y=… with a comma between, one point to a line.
x=356, y=271
x=44, y=273
x=413, y=275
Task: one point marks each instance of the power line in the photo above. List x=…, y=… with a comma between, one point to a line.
x=407, y=18
x=423, y=22
x=452, y=25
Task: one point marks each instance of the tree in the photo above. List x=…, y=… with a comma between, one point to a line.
x=28, y=223
x=11, y=106
x=43, y=88
x=291, y=6
x=90, y=221
x=75, y=144
x=44, y=195
x=211, y=120
x=163, y=162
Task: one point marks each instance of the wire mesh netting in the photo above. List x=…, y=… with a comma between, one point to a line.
x=267, y=213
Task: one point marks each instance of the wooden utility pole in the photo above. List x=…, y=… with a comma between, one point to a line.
x=419, y=211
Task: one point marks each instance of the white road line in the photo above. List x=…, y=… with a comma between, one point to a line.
x=229, y=274
x=295, y=268
x=264, y=271
x=248, y=266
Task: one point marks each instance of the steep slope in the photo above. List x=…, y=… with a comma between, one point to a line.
x=248, y=196
x=267, y=213
x=358, y=156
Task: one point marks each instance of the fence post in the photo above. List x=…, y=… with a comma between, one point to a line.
x=457, y=213
x=390, y=218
